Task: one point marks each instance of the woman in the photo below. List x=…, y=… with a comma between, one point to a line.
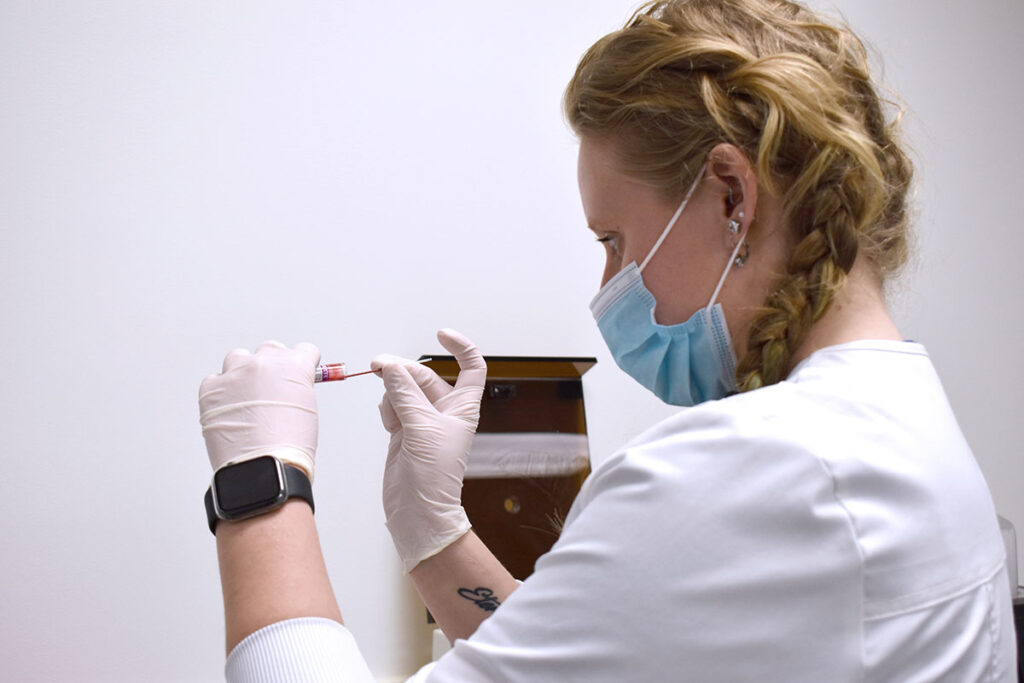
x=815, y=516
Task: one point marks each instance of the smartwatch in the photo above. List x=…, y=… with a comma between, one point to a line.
x=254, y=487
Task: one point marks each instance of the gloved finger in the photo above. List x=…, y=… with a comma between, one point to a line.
x=309, y=354
x=434, y=388
x=387, y=415
x=472, y=368
x=271, y=346
x=406, y=398
x=209, y=389
x=387, y=359
x=234, y=359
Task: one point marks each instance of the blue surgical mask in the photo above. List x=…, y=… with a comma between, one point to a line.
x=682, y=364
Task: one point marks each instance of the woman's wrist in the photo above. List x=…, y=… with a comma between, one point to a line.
x=462, y=585
x=272, y=569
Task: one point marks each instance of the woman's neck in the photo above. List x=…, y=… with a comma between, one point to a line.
x=857, y=313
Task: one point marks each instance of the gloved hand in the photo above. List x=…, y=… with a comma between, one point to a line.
x=262, y=403
x=432, y=426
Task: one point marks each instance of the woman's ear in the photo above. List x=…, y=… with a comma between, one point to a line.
x=734, y=177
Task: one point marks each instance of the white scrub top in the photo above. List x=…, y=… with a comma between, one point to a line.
x=832, y=527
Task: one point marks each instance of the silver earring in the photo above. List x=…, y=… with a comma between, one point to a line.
x=741, y=260
x=734, y=227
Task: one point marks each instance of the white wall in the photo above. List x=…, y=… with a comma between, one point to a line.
x=178, y=179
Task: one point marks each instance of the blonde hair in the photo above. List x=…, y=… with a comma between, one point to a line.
x=791, y=91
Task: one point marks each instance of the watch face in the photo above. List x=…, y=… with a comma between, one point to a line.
x=251, y=485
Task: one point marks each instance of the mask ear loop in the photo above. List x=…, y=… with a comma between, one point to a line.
x=728, y=267
x=675, y=217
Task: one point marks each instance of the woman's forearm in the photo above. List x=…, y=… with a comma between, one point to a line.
x=462, y=585
x=272, y=569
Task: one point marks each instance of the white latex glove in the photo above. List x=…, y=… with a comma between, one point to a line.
x=432, y=426
x=262, y=403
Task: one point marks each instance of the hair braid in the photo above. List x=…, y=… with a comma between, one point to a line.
x=816, y=271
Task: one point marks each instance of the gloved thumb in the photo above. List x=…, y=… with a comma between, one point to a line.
x=472, y=367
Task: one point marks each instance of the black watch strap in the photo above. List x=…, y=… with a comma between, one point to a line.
x=296, y=482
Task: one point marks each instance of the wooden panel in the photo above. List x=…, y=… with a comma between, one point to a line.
x=531, y=405
x=506, y=367
x=520, y=519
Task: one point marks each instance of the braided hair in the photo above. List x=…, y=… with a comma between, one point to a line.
x=794, y=93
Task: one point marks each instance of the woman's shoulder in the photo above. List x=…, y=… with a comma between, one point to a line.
x=877, y=391
x=833, y=381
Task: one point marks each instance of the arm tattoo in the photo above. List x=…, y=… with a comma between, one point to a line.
x=482, y=597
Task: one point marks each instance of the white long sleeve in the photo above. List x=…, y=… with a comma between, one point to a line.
x=307, y=650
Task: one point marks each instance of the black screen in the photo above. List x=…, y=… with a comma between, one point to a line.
x=249, y=485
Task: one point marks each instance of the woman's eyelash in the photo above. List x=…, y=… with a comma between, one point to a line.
x=606, y=238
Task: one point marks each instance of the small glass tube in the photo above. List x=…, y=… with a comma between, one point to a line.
x=331, y=372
